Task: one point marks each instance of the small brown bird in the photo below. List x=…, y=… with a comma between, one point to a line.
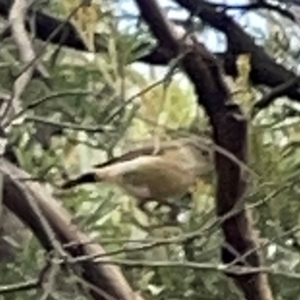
x=155, y=173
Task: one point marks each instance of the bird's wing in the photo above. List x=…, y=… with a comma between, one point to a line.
x=130, y=163
x=114, y=172
x=145, y=150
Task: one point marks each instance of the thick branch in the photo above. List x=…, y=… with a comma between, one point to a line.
x=17, y=17
x=230, y=132
x=16, y=198
x=264, y=69
x=278, y=91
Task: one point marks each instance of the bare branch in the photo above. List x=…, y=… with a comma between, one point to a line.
x=47, y=98
x=16, y=198
x=256, y=6
x=277, y=92
x=17, y=18
x=265, y=70
x=230, y=132
x=232, y=270
x=28, y=285
x=72, y=126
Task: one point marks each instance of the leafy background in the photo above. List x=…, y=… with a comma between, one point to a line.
x=97, y=106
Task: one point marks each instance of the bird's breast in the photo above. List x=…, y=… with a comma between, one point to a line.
x=158, y=181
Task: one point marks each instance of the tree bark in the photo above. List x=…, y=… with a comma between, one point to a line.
x=18, y=196
x=229, y=132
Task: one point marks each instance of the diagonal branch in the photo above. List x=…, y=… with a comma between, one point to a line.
x=257, y=6
x=277, y=92
x=15, y=197
x=264, y=69
x=230, y=133
x=17, y=18
x=45, y=25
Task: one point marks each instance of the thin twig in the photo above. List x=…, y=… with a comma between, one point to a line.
x=133, y=97
x=28, y=285
x=51, y=36
x=256, y=6
x=33, y=61
x=235, y=270
x=73, y=126
x=46, y=98
x=276, y=92
x=17, y=21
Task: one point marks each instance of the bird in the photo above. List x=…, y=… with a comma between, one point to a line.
x=161, y=172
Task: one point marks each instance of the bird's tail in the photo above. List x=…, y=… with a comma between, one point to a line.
x=90, y=177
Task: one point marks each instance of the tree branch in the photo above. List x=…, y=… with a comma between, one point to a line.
x=277, y=92
x=17, y=18
x=264, y=69
x=15, y=197
x=28, y=285
x=257, y=6
x=45, y=25
x=230, y=133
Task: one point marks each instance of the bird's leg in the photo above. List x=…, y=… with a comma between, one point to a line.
x=142, y=206
x=157, y=145
x=174, y=213
x=174, y=210
x=176, y=206
x=173, y=207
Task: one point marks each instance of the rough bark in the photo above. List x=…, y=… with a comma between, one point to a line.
x=229, y=132
x=18, y=196
x=264, y=69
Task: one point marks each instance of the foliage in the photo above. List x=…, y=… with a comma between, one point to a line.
x=98, y=106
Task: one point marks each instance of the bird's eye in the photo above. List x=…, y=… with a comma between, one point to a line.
x=205, y=153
